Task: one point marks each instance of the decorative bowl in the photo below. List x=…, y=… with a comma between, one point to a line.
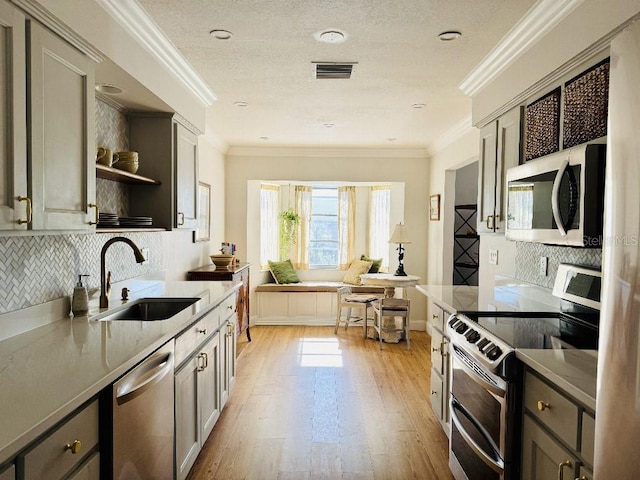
x=222, y=260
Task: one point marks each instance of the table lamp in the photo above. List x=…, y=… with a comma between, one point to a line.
x=400, y=236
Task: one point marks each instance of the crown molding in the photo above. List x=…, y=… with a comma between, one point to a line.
x=535, y=24
x=107, y=100
x=135, y=20
x=451, y=135
x=327, y=152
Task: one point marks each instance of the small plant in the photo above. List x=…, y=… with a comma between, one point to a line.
x=289, y=221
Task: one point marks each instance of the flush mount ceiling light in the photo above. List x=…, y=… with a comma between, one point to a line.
x=449, y=35
x=220, y=34
x=264, y=138
x=109, y=89
x=330, y=36
x=391, y=139
x=418, y=105
x=241, y=104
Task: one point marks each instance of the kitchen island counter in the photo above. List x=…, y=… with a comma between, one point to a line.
x=48, y=372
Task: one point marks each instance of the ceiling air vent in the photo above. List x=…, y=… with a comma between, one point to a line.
x=326, y=70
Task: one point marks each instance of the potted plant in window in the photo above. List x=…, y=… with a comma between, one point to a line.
x=289, y=221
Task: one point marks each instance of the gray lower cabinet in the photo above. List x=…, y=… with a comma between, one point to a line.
x=558, y=433
x=203, y=381
x=9, y=473
x=440, y=367
x=197, y=400
x=70, y=448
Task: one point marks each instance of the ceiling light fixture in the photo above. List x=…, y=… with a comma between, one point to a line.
x=418, y=105
x=241, y=104
x=329, y=125
x=109, y=89
x=264, y=138
x=330, y=36
x=449, y=35
x=220, y=34
x=391, y=139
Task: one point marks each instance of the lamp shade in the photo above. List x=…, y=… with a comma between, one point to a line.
x=400, y=234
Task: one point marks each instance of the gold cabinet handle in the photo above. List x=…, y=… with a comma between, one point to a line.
x=29, y=210
x=93, y=205
x=230, y=327
x=489, y=227
x=566, y=463
x=74, y=446
x=435, y=315
x=434, y=392
x=202, y=331
x=435, y=349
x=180, y=218
x=582, y=478
x=542, y=406
x=201, y=362
x=496, y=222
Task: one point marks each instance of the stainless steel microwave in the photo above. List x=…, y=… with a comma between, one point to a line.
x=558, y=199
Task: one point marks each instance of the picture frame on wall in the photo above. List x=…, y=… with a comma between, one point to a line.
x=434, y=207
x=203, y=232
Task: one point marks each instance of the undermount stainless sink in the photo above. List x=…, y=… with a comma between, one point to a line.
x=150, y=309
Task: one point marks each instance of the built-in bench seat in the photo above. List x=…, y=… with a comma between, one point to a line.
x=305, y=303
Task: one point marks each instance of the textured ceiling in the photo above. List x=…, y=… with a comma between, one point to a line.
x=400, y=61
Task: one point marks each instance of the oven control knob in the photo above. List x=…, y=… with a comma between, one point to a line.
x=462, y=328
x=473, y=336
x=482, y=343
x=453, y=321
x=494, y=353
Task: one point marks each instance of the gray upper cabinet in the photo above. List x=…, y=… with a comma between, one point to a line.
x=62, y=144
x=13, y=135
x=499, y=151
x=46, y=118
x=167, y=152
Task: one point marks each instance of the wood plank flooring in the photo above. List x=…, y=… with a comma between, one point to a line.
x=308, y=404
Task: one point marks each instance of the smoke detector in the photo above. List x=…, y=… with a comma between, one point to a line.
x=331, y=35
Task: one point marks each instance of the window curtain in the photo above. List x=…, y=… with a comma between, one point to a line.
x=346, y=226
x=521, y=198
x=303, y=208
x=269, y=224
x=379, y=227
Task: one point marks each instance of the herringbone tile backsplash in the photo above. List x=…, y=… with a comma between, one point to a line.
x=39, y=269
x=528, y=260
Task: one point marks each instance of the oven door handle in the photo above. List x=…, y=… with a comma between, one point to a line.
x=500, y=392
x=497, y=465
x=555, y=197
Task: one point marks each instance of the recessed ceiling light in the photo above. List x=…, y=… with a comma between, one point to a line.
x=241, y=104
x=449, y=35
x=330, y=36
x=391, y=139
x=418, y=105
x=109, y=89
x=221, y=34
x=329, y=125
x=264, y=138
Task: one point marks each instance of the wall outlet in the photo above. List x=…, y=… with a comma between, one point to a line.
x=146, y=254
x=544, y=263
x=493, y=257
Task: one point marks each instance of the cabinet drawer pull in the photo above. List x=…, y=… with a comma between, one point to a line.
x=202, y=331
x=202, y=362
x=542, y=406
x=435, y=349
x=566, y=463
x=74, y=446
x=180, y=218
x=230, y=327
x=93, y=205
x=582, y=478
x=29, y=210
x=435, y=315
x=490, y=226
x=229, y=307
x=434, y=392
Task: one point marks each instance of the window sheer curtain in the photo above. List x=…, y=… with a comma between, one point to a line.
x=379, y=225
x=521, y=198
x=346, y=226
x=269, y=224
x=303, y=208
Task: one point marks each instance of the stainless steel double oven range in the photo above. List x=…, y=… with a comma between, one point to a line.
x=486, y=384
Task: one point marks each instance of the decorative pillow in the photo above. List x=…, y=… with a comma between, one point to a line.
x=375, y=265
x=283, y=272
x=357, y=268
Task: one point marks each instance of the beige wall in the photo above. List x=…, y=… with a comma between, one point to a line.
x=352, y=165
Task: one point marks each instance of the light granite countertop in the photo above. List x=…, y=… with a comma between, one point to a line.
x=47, y=372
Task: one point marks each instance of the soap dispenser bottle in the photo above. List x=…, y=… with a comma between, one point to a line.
x=80, y=300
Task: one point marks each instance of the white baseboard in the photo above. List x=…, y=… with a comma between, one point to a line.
x=419, y=325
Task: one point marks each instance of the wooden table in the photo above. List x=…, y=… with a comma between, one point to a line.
x=390, y=283
x=238, y=273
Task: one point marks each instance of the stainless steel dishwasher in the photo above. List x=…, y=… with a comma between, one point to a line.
x=142, y=404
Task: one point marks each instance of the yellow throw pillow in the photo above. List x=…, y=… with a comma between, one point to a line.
x=357, y=268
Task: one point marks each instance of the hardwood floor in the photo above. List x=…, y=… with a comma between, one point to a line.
x=308, y=404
